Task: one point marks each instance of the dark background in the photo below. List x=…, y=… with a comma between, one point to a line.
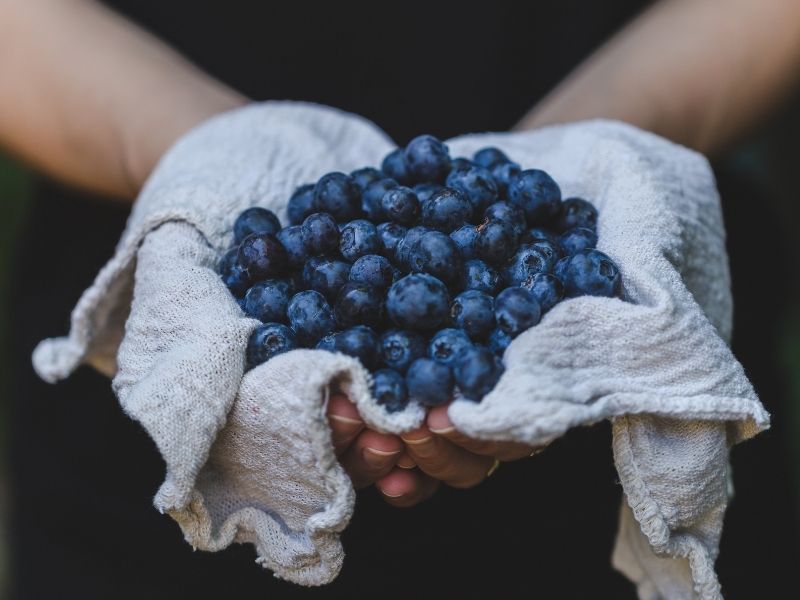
x=433, y=70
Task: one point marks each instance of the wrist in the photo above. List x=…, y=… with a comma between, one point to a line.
x=145, y=139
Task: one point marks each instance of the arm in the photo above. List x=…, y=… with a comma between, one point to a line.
x=700, y=72
x=91, y=99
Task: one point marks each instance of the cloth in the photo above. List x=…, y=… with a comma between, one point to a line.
x=659, y=356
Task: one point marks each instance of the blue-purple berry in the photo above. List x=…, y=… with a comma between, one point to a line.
x=400, y=348
x=389, y=390
x=429, y=382
x=476, y=371
x=267, y=341
x=447, y=344
x=516, y=310
x=255, y=220
x=419, y=302
x=473, y=311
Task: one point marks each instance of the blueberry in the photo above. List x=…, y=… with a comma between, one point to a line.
x=552, y=250
x=310, y=316
x=404, y=246
x=446, y=210
x=546, y=288
x=373, y=195
x=291, y=238
x=338, y=195
x=427, y=159
x=480, y=276
x=476, y=372
x=361, y=342
x=320, y=233
x=429, y=382
x=359, y=304
x=262, y=256
x=516, y=310
x=560, y=270
x=591, y=273
x=418, y=302
x=460, y=163
x=234, y=276
x=389, y=390
x=477, y=184
x=527, y=262
x=358, y=238
x=436, y=254
x=576, y=212
x=578, y=239
x=267, y=301
x=498, y=341
x=363, y=177
x=503, y=173
x=255, y=220
x=503, y=211
x=426, y=190
x=473, y=311
x=327, y=343
x=465, y=238
x=447, y=344
x=401, y=205
x=374, y=270
x=301, y=204
x=537, y=194
x=489, y=157
x=394, y=166
x=391, y=234
x=267, y=341
x=399, y=348
x=496, y=241
x=538, y=234
x=326, y=276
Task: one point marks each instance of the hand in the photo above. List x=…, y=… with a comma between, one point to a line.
x=441, y=453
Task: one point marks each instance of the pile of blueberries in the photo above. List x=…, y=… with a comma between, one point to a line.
x=424, y=269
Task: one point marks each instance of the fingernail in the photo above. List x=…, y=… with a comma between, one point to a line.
x=424, y=440
x=345, y=420
x=378, y=458
x=388, y=495
x=444, y=431
x=439, y=422
x=406, y=462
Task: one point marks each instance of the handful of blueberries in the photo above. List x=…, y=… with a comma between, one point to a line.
x=424, y=269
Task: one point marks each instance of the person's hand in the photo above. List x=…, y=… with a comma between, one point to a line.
x=409, y=469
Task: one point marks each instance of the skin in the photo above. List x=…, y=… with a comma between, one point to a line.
x=96, y=101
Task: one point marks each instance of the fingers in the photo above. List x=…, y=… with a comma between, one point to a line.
x=345, y=422
x=371, y=456
x=405, y=461
x=403, y=488
x=439, y=423
x=445, y=461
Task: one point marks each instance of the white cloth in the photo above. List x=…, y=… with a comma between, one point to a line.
x=250, y=459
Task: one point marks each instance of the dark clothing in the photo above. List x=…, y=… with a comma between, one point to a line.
x=84, y=475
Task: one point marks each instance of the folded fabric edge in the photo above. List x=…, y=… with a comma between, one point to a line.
x=663, y=541
x=55, y=359
x=307, y=559
x=549, y=419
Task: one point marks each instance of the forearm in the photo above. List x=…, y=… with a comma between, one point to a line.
x=91, y=99
x=700, y=72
